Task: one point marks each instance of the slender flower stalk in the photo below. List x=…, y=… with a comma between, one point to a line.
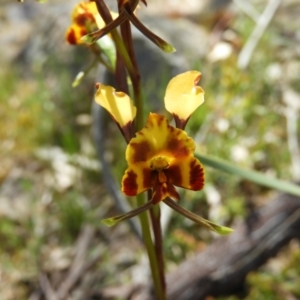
x=118, y=109
x=155, y=215
x=151, y=251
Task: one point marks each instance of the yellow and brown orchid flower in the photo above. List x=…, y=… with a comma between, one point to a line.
x=85, y=19
x=160, y=156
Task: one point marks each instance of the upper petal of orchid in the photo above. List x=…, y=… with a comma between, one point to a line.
x=158, y=138
x=119, y=105
x=187, y=173
x=183, y=96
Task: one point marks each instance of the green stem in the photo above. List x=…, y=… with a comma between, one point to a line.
x=156, y=225
x=150, y=250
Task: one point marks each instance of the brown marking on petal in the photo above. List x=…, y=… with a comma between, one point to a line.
x=81, y=19
x=171, y=129
x=178, y=147
x=196, y=175
x=174, y=174
x=140, y=151
x=154, y=120
x=129, y=185
x=148, y=179
x=83, y=32
x=71, y=37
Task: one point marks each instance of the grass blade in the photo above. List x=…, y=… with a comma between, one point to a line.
x=251, y=175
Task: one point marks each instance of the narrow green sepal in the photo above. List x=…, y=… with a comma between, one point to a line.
x=222, y=230
x=115, y=220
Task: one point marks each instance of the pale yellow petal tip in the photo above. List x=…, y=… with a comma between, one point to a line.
x=118, y=104
x=183, y=96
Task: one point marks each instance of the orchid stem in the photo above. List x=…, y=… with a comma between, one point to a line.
x=156, y=226
x=154, y=264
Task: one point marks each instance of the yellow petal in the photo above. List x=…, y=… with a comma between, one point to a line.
x=158, y=138
x=118, y=104
x=183, y=95
x=84, y=11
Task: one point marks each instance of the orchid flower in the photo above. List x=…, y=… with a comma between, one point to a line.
x=160, y=156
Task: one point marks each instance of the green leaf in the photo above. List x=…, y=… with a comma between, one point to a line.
x=222, y=230
x=251, y=175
